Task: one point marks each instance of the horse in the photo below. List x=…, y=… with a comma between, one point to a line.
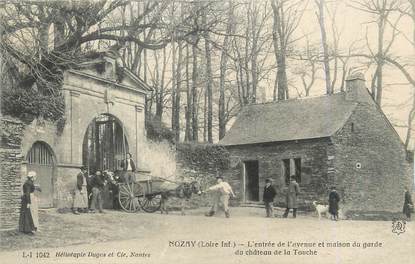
x=183, y=191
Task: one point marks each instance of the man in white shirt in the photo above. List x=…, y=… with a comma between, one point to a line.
x=222, y=191
x=129, y=168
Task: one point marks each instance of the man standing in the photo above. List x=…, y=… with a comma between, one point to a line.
x=291, y=198
x=268, y=197
x=222, y=191
x=80, y=200
x=88, y=180
x=128, y=166
x=98, y=184
x=408, y=205
x=334, y=200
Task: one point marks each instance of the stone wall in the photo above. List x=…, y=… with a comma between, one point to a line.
x=10, y=183
x=371, y=162
x=203, y=166
x=314, y=163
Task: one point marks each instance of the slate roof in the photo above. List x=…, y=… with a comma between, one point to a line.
x=294, y=119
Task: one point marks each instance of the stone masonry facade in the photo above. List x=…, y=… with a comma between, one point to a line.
x=10, y=182
x=365, y=160
x=314, y=167
x=371, y=164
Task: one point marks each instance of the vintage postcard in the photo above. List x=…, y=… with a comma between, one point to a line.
x=207, y=131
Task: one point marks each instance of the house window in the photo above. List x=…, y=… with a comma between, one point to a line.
x=291, y=168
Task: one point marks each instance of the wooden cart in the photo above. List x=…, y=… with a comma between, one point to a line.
x=143, y=192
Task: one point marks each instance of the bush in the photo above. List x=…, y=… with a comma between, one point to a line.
x=203, y=156
x=28, y=104
x=157, y=130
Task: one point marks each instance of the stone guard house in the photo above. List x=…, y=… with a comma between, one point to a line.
x=105, y=118
x=342, y=139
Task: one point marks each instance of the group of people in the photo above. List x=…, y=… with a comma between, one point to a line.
x=222, y=191
x=88, y=194
x=89, y=189
x=291, y=197
x=333, y=200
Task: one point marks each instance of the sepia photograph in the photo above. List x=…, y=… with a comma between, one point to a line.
x=207, y=131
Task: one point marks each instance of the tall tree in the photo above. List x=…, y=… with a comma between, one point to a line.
x=209, y=79
x=326, y=59
x=178, y=92
x=286, y=18
x=188, y=110
x=195, y=122
x=223, y=71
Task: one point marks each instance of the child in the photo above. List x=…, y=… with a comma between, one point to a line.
x=268, y=197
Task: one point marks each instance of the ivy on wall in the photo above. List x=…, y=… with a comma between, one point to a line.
x=204, y=156
x=157, y=131
x=28, y=104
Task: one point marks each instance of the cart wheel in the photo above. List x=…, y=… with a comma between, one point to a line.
x=128, y=196
x=150, y=203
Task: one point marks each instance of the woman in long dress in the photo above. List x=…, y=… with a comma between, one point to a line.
x=26, y=221
x=80, y=200
x=34, y=209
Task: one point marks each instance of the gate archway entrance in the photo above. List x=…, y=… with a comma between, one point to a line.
x=40, y=159
x=105, y=144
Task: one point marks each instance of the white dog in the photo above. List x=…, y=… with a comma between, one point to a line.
x=321, y=209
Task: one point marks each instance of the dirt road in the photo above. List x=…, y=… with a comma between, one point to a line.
x=247, y=237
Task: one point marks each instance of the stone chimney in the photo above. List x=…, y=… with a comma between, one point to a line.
x=356, y=87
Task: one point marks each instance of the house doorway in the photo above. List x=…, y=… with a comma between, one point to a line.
x=40, y=159
x=251, y=180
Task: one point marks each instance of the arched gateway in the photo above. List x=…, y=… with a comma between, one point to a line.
x=104, y=119
x=105, y=144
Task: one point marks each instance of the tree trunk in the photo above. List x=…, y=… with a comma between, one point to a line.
x=326, y=59
x=195, y=125
x=160, y=101
x=44, y=38
x=247, y=97
x=411, y=116
x=205, y=114
x=240, y=78
x=209, y=81
x=223, y=68
x=254, y=55
x=156, y=84
x=380, y=59
x=188, y=114
x=178, y=91
x=173, y=73
x=281, y=53
x=58, y=34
